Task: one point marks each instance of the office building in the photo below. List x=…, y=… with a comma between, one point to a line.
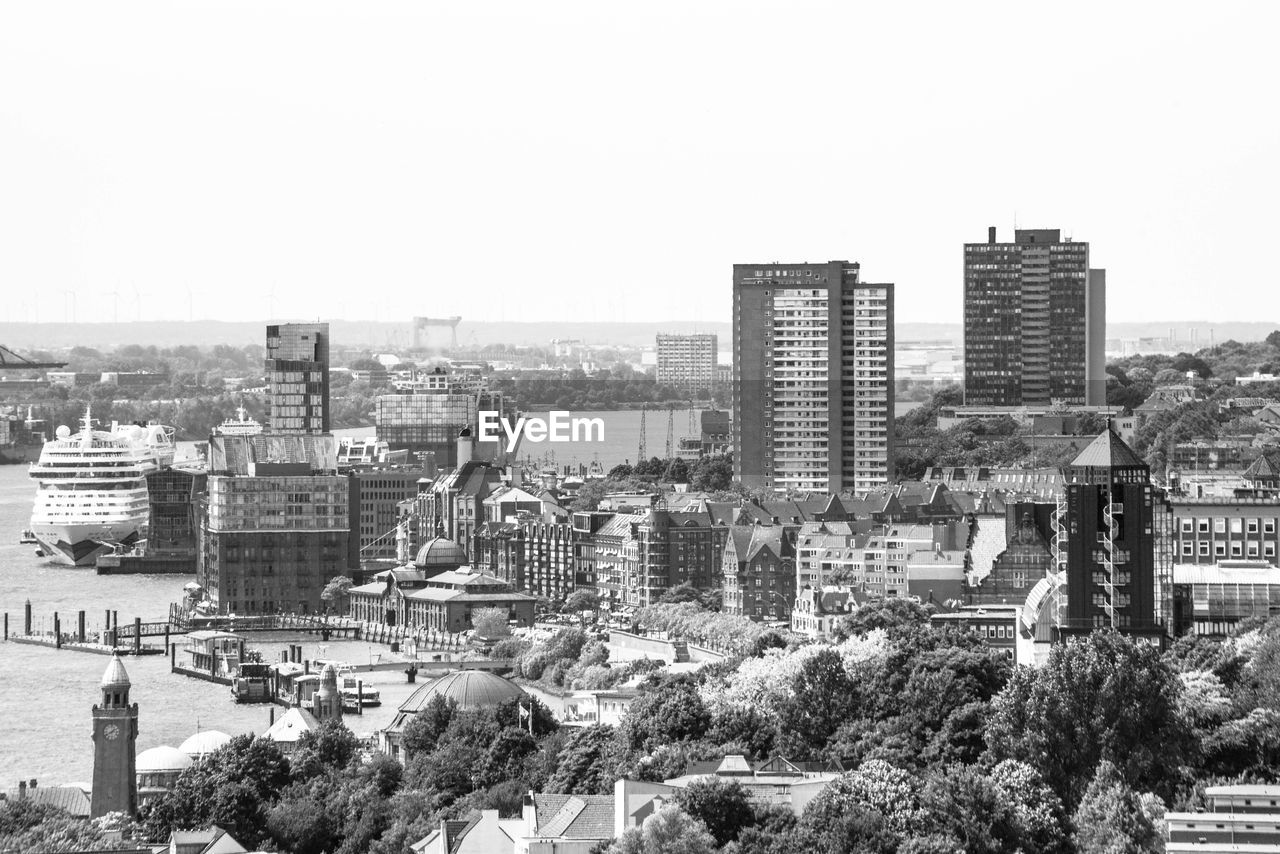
x=297, y=367
x=275, y=524
x=813, y=377
x=687, y=363
x=1034, y=322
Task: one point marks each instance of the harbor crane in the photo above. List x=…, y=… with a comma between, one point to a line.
x=10, y=360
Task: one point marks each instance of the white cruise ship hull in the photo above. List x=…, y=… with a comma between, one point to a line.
x=80, y=545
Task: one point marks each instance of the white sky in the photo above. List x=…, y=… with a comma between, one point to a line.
x=609, y=161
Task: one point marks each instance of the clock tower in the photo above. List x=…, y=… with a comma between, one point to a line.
x=115, y=729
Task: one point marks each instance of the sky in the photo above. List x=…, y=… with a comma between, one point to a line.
x=612, y=161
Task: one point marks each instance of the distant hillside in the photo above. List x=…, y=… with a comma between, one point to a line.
x=386, y=335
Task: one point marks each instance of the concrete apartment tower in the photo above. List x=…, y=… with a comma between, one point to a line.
x=812, y=377
x=115, y=733
x=687, y=363
x=1034, y=322
x=297, y=367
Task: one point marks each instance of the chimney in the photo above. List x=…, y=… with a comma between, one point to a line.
x=22, y=789
x=32, y=785
x=991, y=234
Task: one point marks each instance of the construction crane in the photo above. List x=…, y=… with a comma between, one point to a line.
x=10, y=360
x=671, y=425
x=642, y=453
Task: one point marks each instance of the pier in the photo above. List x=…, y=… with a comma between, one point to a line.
x=105, y=642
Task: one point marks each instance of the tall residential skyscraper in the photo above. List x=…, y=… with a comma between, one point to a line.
x=687, y=363
x=297, y=368
x=1034, y=322
x=812, y=377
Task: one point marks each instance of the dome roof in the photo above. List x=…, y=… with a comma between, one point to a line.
x=115, y=675
x=440, y=553
x=162, y=758
x=203, y=743
x=472, y=689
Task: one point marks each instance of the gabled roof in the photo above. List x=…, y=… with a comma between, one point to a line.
x=1108, y=451
x=290, y=726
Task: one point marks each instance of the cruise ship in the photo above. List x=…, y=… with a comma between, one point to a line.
x=91, y=488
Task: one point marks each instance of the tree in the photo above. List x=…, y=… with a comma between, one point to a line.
x=1111, y=818
x=335, y=592
x=685, y=592
x=29, y=826
x=1099, y=698
x=234, y=788
x=893, y=614
x=822, y=697
x=719, y=804
x=582, y=602
x=582, y=766
x=422, y=732
x=670, y=830
x=491, y=623
x=672, y=711
x=329, y=748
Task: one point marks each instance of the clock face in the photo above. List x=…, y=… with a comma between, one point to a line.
x=111, y=732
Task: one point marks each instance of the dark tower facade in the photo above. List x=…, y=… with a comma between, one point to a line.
x=115, y=733
x=1118, y=533
x=297, y=367
x=1034, y=322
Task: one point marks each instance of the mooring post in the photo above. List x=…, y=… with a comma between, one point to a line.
x=173, y=658
x=57, y=632
x=115, y=622
x=166, y=637
x=359, y=697
x=106, y=629
x=137, y=635
x=80, y=627
x=26, y=621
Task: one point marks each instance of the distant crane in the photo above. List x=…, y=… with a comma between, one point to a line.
x=12, y=361
x=643, y=454
x=671, y=429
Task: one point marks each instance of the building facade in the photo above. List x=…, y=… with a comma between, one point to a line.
x=813, y=377
x=1034, y=322
x=1209, y=530
x=1118, y=531
x=687, y=363
x=297, y=367
x=271, y=542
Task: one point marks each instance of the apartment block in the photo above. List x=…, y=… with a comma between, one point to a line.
x=687, y=363
x=1034, y=322
x=813, y=377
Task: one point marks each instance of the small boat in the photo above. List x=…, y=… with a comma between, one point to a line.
x=28, y=538
x=252, y=683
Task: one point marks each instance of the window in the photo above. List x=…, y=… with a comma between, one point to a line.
x=1187, y=549
x=1220, y=526
x=1220, y=549
x=1204, y=548
x=1188, y=525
